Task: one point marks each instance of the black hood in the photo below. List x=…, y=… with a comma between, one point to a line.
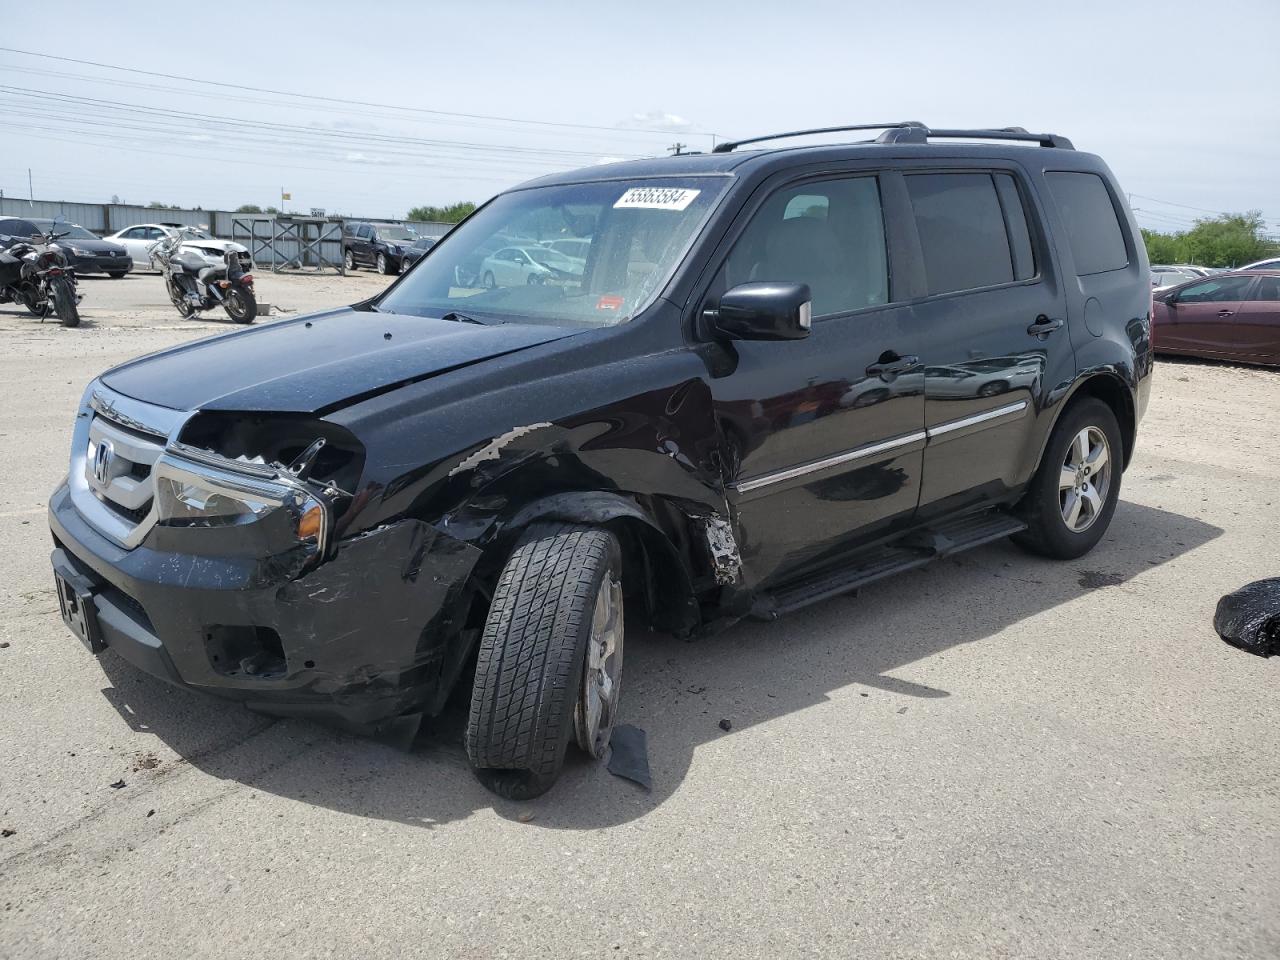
x=316, y=363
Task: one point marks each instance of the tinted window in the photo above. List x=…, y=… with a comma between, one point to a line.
x=1015, y=219
x=1268, y=289
x=17, y=228
x=829, y=235
x=1215, y=291
x=962, y=231
x=1093, y=229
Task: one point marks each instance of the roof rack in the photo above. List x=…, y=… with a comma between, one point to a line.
x=912, y=131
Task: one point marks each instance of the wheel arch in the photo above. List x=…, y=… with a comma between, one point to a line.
x=651, y=560
x=1111, y=389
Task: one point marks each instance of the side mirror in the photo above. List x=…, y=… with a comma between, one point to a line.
x=763, y=311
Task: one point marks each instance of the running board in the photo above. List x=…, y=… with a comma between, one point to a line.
x=914, y=550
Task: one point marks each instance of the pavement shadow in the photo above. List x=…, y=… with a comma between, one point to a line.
x=677, y=691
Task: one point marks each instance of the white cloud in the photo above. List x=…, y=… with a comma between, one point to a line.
x=657, y=120
x=363, y=158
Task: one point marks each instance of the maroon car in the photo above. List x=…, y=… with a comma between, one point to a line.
x=1230, y=316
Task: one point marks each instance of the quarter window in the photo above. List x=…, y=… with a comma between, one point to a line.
x=1215, y=291
x=828, y=234
x=963, y=237
x=1268, y=288
x=1093, y=227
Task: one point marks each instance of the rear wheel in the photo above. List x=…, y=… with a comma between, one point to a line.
x=549, y=669
x=349, y=260
x=241, y=305
x=1070, y=502
x=36, y=303
x=488, y=281
x=384, y=265
x=63, y=296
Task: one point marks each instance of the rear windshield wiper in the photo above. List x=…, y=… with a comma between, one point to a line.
x=461, y=318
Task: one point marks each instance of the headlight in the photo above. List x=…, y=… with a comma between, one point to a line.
x=202, y=493
x=81, y=253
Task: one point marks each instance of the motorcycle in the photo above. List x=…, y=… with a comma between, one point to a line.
x=35, y=273
x=194, y=286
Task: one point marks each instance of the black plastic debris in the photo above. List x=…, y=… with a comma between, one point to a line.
x=1250, y=617
x=726, y=724
x=118, y=785
x=7, y=832
x=629, y=755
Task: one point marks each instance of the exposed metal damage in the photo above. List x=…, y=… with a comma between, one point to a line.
x=726, y=561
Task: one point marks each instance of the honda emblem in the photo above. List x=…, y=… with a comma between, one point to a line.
x=102, y=457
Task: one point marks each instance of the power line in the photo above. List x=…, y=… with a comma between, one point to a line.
x=339, y=100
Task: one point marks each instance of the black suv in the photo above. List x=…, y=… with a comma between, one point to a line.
x=377, y=245
x=774, y=375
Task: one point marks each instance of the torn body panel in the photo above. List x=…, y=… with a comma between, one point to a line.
x=365, y=637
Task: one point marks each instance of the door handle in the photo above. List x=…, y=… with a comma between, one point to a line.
x=1226, y=313
x=891, y=364
x=1043, y=326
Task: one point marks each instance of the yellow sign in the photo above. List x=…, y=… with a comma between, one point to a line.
x=286, y=196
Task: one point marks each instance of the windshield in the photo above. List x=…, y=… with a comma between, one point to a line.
x=633, y=235
x=396, y=233
x=75, y=231
x=192, y=233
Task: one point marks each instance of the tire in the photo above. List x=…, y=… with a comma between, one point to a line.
x=179, y=300
x=241, y=305
x=384, y=265
x=1058, y=491
x=117, y=274
x=349, y=261
x=559, y=591
x=487, y=281
x=533, y=280
x=37, y=307
x=64, y=301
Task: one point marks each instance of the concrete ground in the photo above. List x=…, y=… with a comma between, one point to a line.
x=997, y=756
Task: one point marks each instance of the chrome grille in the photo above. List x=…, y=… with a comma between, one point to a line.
x=116, y=444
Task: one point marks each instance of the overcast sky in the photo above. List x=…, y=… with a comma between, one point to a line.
x=1178, y=97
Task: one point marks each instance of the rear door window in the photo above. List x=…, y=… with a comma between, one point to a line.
x=963, y=237
x=1093, y=226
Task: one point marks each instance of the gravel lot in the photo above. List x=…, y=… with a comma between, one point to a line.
x=997, y=756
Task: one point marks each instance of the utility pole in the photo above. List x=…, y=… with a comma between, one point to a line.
x=31, y=196
x=677, y=148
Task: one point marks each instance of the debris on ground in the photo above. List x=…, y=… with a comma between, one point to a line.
x=526, y=817
x=145, y=761
x=696, y=688
x=6, y=832
x=1250, y=617
x=629, y=755
x=118, y=785
x=726, y=724
x=151, y=813
x=4, y=644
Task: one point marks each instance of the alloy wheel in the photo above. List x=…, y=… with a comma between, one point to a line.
x=602, y=673
x=1085, y=479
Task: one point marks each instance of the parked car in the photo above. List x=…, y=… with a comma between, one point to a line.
x=85, y=251
x=141, y=238
x=1232, y=316
x=1190, y=269
x=531, y=264
x=1163, y=278
x=1271, y=264
x=416, y=251
x=731, y=413
x=578, y=248
x=378, y=245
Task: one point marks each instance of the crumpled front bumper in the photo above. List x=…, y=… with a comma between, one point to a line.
x=370, y=635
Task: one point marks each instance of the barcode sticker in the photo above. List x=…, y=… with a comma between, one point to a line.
x=656, y=198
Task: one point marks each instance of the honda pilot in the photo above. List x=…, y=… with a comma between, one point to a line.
x=781, y=373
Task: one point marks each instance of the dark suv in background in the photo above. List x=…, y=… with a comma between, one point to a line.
x=378, y=245
x=780, y=374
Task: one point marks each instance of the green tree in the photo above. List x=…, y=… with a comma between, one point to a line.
x=450, y=214
x=248, y=208
x=1227, y=240
x=157, y=205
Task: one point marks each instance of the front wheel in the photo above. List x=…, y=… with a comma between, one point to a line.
x=241, y=305
x=63, y=296
x=179, y=299
x=549, y=668
x=1073, y=495
x=349, y=261
x=487, y=281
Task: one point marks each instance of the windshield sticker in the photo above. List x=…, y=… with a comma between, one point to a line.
x=610, y=301
x=656, y=198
